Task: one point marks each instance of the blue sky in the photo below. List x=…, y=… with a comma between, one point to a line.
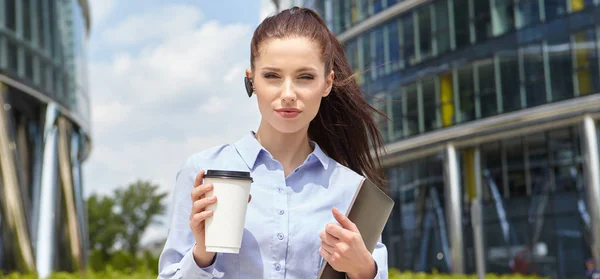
x=165, y=81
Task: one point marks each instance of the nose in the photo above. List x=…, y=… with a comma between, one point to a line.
x=288, y=93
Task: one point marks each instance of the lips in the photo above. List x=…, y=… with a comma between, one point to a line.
x=288, y=112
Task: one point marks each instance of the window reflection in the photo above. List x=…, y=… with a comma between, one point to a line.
x=528, y=12
x=461, y=22
x=536, y=227
x=411, y=117
x=430, y=105
x=466, y=93
x=397, y=115
x=487, y=88
x=503, y=16
x=534, y=83
x=482, y=20
x=442, y=27
x=509, y=75
x=419, y=216
x=425, y=42
x=560, y=67
x=408, y=42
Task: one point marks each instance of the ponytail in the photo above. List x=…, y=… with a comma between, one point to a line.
x=344, y=127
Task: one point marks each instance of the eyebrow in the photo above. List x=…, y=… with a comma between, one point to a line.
x=303, y=69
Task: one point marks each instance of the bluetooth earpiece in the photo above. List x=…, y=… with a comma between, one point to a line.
x=249, y=87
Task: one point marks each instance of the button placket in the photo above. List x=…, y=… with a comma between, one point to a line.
x=281, y=219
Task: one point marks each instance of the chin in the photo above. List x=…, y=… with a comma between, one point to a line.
x=289, y=128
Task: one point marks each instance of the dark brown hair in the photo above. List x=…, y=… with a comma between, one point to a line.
x=344, y=127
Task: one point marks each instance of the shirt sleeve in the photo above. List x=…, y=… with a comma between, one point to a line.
x=176, y=260
x=380, y=255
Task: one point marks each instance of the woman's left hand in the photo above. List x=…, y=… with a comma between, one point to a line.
x=343, y=248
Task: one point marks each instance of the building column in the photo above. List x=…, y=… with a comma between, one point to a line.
x=14, y=221
x=453, y=209
x=592, y=181
x=47, y=219
x=476, y=216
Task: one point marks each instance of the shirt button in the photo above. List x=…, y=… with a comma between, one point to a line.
x=281, y=212
x=277, y=267
x=280, y=236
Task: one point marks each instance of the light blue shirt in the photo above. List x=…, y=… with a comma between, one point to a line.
x=283, y=220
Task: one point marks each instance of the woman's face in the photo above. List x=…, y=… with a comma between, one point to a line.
x=289, y=82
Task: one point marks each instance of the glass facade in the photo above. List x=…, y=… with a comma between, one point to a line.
x=474, y=73
x=504, y=59
x=44, y=135
x=43, y=45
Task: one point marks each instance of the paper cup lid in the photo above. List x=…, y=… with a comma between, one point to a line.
x=244, y=175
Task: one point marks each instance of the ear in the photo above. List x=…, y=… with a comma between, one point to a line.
x=329, y=82
x=249, y=73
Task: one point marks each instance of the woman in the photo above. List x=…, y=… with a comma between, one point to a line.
x=306, y=158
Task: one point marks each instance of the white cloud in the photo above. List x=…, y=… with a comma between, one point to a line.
x=160, y=22
x=267, y=8
x=153, y=108
x=100, y=10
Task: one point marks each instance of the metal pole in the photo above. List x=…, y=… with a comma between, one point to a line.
x=592, y=178
x=453, y=207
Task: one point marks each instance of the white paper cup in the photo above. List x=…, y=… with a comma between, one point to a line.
x=224, y=230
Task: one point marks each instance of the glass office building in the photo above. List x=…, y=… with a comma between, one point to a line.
x=492, y=142
x=44, y=134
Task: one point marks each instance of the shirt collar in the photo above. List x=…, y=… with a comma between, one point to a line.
x=249, y=149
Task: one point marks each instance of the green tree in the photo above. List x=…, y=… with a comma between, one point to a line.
x=104, y=225
x=138, y=206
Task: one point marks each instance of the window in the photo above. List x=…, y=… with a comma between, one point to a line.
x=11, y=20
x=369, y=61
x=425, y=42
x=29, y=65
x=503, y=17
x=482, y=20
x=466, y=94
x=377, y=6
x=515, y=164
x=487, y=88
x=528, y=12
x=586, y=70
x=397, y=116
x=442, y=27
x=509, y=77
x=560, y=67
x=13, y=56
x=379, y=51
x=534, y=81
x=394, y=45
x=461, y=23
x=27, y=19
x=380, y=104
x=408, y=42
x=555, y=8
x=41, y=30
x=352, y=54
x=430, y=105
x=412, y=109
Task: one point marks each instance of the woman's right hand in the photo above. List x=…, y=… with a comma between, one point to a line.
x=198, y=216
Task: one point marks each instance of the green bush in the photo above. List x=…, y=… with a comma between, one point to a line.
x=145, y=273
